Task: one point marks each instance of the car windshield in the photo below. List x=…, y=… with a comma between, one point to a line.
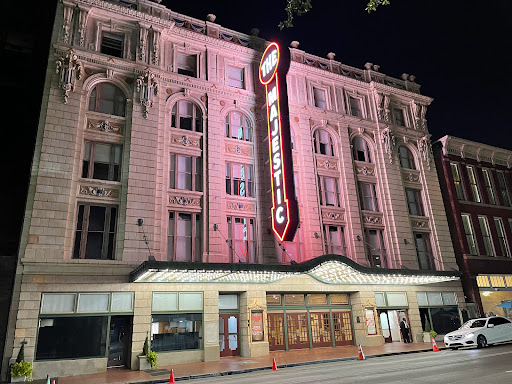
x=474, y=323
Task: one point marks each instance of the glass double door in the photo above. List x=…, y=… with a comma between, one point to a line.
x=297, y=330
x=228, y=335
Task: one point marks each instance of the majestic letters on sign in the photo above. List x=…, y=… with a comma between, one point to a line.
x=285, y=211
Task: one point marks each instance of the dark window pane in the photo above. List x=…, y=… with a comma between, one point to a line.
x=110, y=247
x=445, y=319
x=97, y=218
x=94, y=245
x=76, y=250
x=113, y=217
x=186, y=123
x=176, y=332
x=80, y=217
x=72, y=337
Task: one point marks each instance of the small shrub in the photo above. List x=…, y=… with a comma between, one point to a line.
x=23, y=368
x=151, y=357
x=145, y=348
x=21, y=354
x=433, y=333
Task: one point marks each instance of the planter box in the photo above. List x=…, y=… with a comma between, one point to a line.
x=427, y=337
x=19, y=379
x=143, y=363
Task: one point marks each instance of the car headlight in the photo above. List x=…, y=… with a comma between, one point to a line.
x=469, y=335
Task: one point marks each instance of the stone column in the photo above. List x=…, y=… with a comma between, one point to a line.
x=249, y=301
x=211, y=326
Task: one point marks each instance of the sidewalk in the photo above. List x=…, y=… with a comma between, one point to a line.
x=235, y=365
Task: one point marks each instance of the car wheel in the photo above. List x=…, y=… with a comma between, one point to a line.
x=481, y=341
x=454, y=348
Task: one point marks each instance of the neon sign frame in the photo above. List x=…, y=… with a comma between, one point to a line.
x=272, y=73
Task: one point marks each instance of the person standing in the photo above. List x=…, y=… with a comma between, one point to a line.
x=405, y=331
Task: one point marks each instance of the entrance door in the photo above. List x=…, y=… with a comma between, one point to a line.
x=321, y=329
x=276, y=331
x=342, y=323
x=118, y=350
x=297, y=328
x=385, y=325
x=228, y=335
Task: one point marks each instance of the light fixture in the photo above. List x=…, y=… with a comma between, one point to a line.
x=215, y=227
x=405, y=241
x=358, y=238
x=317, y=236
x=140, y=222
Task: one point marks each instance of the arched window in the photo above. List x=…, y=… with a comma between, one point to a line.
x=406, y=159
x=361, y=150
x=107, y=98
x=323, y=142
x=186, y=115
x=237, y=126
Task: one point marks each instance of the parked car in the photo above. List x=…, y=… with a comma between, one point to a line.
x=480, y=333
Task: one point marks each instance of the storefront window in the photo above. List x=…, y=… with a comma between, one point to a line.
x=71, y=337
x=445, y=319
x=176, y=332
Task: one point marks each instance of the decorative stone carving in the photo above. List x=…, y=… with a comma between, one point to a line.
x=425, y=149
x=185, y=201
x=185, y=141
x=372, y=219
x=147, y=87
x=333, y=216
x=104, y=126
x=411, y=177
x=82, y=22
x=69, y=70
x=327, y=164
x=420, y=223
x=366, y=171
x=238, y=150
x=143, y=39
x=389, y=143
x=383, y=106
x=66, y=23
x=109, y=73
x=98, y=191
x=155, y=59
x=419, y=112
x=237, y=206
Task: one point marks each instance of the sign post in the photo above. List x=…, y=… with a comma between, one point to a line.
x=272, y=74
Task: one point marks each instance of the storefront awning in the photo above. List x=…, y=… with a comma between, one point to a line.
x=330, y=269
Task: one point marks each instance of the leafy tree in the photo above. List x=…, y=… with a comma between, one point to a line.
x=299, y=7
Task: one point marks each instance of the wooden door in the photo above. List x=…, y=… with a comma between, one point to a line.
x=321, y=329
x=276, y=331
x=297, y=329
x=342, y=324
x=228, y=335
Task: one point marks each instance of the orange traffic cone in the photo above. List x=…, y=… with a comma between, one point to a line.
x=274, y=365
x=53, y=381
x=171, y=379
x=434, y=346
x=361, y=353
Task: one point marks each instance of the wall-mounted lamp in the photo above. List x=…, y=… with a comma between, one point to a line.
x=358, y=238
x=317, y=236
x=140, y=222
x=405, y=241
x=215, y=227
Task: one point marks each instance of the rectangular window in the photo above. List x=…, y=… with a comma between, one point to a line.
x=374, y=239
x=184, y=237
x=335, y=240
x=368, y=196
x=185, y=173
x=329, y=191
x=424, y=251
x=236, y=77
x=101, y=161
x=165, y=301
x=486, y=235
x=355, y=106
x=457, y=181
x=121, y=302
x=470, y=235
x=398, y=115
x=291, y=250
x=187, y=65
x=176, y=332
x=502, y=237
x=397, y=299
x=71, y=337
x=414, y=202
x=473, y=184
x=58, y=303
x=228, y=301
x=319, y=98
x=112, y=44
x=489, y=186
x=505, y=198
x=239, y=180
x=93, y=302
x=241, y=240
x=95, y=232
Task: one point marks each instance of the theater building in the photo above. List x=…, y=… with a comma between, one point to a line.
x=150, y=208
x=476, y=182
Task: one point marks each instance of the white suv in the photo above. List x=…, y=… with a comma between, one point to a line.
x=480, y=333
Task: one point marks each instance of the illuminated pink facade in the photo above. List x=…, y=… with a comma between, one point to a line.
x=153, y=145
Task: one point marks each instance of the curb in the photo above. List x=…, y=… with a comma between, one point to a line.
x=249, y=370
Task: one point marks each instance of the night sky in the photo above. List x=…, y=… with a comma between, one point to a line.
x=458, y=51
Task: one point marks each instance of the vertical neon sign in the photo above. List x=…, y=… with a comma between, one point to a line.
x=285, y=210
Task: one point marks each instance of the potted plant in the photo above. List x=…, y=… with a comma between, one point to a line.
x=428, y=333
x=147, y=359
x=21, y=370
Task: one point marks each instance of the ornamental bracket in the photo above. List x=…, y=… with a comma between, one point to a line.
x=147, y=87
x=69, y=70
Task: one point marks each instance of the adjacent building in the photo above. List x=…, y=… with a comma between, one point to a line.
x=149, y=209
x=476, y=183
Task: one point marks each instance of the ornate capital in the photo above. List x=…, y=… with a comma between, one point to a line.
x=389, y=143
x=425, y=149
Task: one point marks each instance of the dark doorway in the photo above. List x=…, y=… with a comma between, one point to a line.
x=120, y=341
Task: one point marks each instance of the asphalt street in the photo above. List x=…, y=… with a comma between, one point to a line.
x=490, y=365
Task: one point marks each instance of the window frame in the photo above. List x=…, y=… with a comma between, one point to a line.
x=85, y=231
x=330, y=248
x=396, y=120
x=502, y=237
x=367, y=153
x=250, y=189
x=457, y=181
x=409, y=158
x=486, y=235
x=246, y=127
x=185, y=70
x=470, y=237
x=250, y=243
x=351, y=108
x=323, y=193
x=473, y=184
x=430, y=259
x=242, y=82
x=373, y=196
x=196, y=117
x=417, y=203
x=119, y=106
x=330, y=148
x=317, y=102
x=113, y=36
x=92, y=155
x=502, y=185
x=373, y=253
x=195, y=236
x=488, y=182
x=196, y=177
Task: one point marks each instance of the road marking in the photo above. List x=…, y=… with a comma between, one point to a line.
x=508, y=371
